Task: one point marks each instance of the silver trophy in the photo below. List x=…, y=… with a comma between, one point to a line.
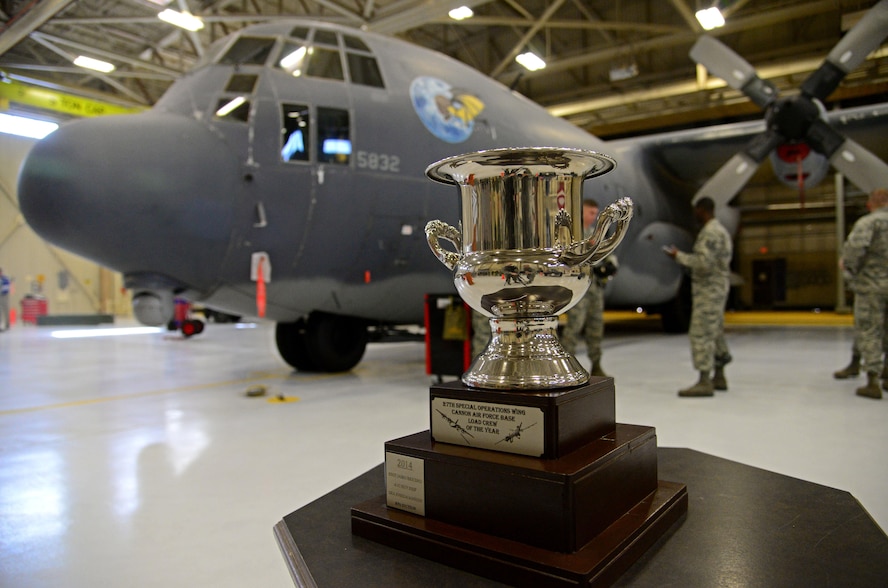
x=521, y=258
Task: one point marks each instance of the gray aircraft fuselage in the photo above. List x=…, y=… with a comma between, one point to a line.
x=323, y=175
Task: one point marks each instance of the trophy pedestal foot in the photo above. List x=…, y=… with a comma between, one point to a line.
x=598, y=564
x=524, y=353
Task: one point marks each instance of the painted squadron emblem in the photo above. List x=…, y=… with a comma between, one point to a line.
x=447, y=112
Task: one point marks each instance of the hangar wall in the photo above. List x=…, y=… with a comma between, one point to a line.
x=70, y=284
x=788, y=245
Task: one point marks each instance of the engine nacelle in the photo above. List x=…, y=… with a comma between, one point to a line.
x=154, y=308
x=791, y=160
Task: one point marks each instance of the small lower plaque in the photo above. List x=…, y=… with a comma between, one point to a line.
x=405, y=482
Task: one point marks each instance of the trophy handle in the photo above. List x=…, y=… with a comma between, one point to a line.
x=594, y=249
x=440, y=230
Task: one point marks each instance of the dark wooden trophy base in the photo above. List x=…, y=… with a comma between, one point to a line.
x=568, y=514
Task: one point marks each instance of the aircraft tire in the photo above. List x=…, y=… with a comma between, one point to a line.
x=291, y=343
x=335, y=343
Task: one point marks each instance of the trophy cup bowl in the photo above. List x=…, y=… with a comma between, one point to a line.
x=520, y=257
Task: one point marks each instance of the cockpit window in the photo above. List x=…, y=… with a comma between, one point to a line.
x=334, y=136
x=299, y=33
x=364, y=70
x=235, y=108
x=292, y=59
x=316, y=62
x=325, y=63
x=242, y=83
x=234, y=104
x=322, y=59
x=248, y=51
x=325, y=38
x=295, y=132
x=355, y=43
x=362, y=66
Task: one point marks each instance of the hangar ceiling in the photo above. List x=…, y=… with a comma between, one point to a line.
x=587, y=44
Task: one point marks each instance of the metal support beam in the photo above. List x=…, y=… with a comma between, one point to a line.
x=841, y=303
x=527, y=37
x=30, y=21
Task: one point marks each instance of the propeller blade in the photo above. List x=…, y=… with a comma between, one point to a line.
x=733, y=175
x=848, y=53
x=729, y=180
x=860, y=166
x=723, y=62
x=862, y=39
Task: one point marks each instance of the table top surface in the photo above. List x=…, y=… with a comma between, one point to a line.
x=745, y=526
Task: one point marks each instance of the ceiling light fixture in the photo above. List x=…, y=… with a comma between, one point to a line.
x=710, y=18
x=461, y=13
x=623, y=72
x=530, y=61
x=94, y=64
x=184, y=20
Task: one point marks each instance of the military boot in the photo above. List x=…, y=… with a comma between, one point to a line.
x=597, y=370
x=703, y=387
x=851, y=370
x=723, y=360
x=871, y=390
x=718, y=378
x=885, y=373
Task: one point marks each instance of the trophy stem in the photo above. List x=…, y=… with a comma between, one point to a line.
x=524, y=353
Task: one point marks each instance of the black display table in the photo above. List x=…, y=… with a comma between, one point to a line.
x=745, y=526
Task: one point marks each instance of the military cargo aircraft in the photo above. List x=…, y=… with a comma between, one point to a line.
x=289, y=165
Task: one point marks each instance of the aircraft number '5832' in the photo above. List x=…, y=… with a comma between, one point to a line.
x=379, y=162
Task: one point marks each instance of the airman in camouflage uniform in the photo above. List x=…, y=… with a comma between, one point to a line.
x=480, y=332
x=852, y=370
x=709, y=267
x=587, y=316
x=865, y=260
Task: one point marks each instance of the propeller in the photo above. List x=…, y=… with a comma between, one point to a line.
x=798, y=118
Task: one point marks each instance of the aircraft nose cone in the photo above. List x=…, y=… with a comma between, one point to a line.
x=134, y=193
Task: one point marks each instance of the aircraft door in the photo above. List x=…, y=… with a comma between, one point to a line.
x=275, y=200
x=333, y=212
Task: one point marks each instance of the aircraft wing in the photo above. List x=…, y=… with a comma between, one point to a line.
x=692, y=156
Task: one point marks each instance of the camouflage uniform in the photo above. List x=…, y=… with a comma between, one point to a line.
x=709, y=267
x=865, y=258
x=480, y=332
x=587, y=317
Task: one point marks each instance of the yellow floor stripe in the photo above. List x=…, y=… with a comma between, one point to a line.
x=815, y=319
x=750, y=317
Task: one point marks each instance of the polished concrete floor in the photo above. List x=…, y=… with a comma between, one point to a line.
x=139, y=460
